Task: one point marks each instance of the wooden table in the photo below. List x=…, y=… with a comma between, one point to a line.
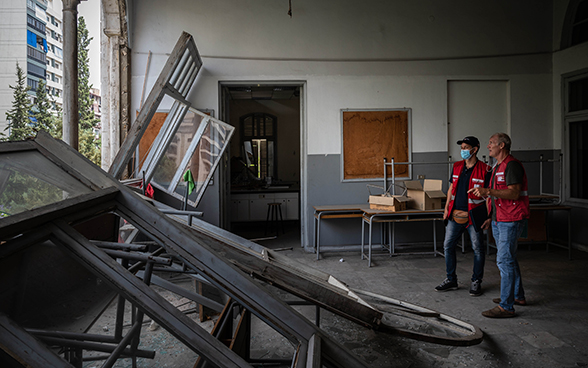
x=334, y=212
x=391, y=218
x=547, y=208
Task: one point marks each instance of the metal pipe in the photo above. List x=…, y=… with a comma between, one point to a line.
x=540, y=174
x=386, y=175
x=71, y=118
x=138, y=257
x=561, y=167
x=121, y=346
x=94, y=346
x=119, y=246
x=393, y=176
x=73, y=335
x=421, y=163
x=135, y=336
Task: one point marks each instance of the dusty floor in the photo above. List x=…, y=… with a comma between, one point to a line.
x=552, y=331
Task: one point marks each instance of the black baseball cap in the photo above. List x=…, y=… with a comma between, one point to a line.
x=471, y=140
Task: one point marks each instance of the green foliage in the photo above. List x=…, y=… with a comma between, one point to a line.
x=87, y=118
x=89, y=145
x=46, y=118
x=19, y=122
x=22, y=192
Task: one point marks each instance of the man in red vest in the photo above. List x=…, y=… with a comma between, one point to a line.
x=467, y=174
x=509, y=205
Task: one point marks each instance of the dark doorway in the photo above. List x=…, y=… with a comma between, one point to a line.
x=263, y=159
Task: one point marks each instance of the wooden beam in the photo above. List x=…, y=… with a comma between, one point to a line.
x=140, y=294
x=25, y=221
x=25, y=349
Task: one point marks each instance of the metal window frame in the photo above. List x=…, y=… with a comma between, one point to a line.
x=567, y=118
x=163, y=140
x=175, y=80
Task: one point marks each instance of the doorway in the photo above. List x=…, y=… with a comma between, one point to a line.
x=264, y=159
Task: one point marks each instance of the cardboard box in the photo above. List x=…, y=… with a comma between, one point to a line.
x=428, y=196
x=394, y=203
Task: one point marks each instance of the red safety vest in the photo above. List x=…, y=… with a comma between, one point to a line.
x=508, y=210
x=476, y=180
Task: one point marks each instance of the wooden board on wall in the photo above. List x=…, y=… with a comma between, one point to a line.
x=371, y=136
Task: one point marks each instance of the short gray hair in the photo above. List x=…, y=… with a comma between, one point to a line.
x=503, y=138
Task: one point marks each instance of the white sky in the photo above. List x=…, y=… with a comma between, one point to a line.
x=90, y=10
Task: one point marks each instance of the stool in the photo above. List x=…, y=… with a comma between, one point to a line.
x=273, y=209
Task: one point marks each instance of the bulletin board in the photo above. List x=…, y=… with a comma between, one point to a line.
x=369, y=136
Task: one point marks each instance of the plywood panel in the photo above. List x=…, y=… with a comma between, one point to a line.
x=150, y=134
x=371, y=136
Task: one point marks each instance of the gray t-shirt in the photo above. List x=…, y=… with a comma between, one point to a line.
x=513, y=174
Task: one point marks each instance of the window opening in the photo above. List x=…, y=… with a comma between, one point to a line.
x=258, y=139
x=575, y=27
x=576, y=119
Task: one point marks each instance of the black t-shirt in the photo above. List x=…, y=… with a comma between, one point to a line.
x=461, y=194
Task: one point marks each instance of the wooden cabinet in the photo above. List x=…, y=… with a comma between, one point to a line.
x=258, y=206
x=253, y=206
x=289, y=205
x=240, y=207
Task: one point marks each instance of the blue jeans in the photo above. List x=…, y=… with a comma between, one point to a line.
x=511, y=284
x=452, y=233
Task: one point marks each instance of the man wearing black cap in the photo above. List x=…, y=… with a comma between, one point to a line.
x=467, y=174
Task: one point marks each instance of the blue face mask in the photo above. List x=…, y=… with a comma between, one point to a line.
x=465, y=154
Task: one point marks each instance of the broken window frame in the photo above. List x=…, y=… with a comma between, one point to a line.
x=175, y=81
x=164, y=139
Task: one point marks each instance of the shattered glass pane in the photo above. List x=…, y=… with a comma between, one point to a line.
x=28, y=180
x=206, y=155
x=171, y=160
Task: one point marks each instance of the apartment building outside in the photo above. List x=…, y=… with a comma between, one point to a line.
x=30, y=35
x=55, y=51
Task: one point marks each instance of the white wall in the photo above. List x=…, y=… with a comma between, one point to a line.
x=368, y=54
x=362, y=55
x=422, y=86
x=350, y=29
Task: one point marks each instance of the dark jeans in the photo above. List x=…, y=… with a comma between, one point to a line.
x=452, y=233
x=506, y=235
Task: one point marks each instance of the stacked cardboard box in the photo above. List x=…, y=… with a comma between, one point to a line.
x=428, y=196
x=389, y=203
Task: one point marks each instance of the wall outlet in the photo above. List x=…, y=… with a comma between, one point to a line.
x=421, y=177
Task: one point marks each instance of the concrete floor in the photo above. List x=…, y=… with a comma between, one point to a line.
x=552, y=331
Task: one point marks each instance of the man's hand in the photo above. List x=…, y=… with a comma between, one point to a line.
x=486, y=224
x=445, y=214
x=512, y=192
x=480, y=192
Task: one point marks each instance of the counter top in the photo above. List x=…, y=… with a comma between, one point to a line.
x=271, y=189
